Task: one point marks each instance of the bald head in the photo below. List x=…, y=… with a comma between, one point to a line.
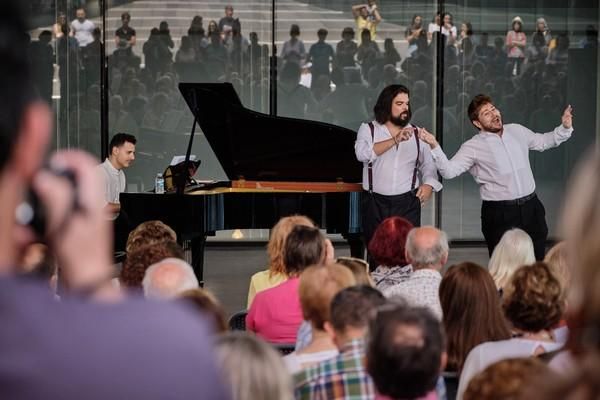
x=427, y=247
x=169, y=278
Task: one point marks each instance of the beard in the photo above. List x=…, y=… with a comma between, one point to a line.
x=402, y=119
x=492, y=127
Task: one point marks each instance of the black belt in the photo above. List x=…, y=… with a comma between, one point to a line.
x=410, y=193
x=515, y=202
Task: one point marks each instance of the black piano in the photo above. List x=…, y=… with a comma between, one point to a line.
x=276, y=167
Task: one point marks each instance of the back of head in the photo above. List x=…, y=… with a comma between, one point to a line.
x=533, y=300
x=404, y=355
x=149, y=233
x=15, y=76
x=279, y=233
x=389, y=240
x=318, y=285
x=514, y=250
x=353, y=307
x=205, y=302
x=472, y=311
x=253, y=369
x=359, y=268
x=556, y=258
x=169, y=278
x=304, y=246
x=506, y=379
x=427, y=247
x=138, y=261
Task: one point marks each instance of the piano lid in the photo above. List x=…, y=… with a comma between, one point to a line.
x=256, y=146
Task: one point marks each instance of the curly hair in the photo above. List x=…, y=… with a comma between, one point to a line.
x=533, y=300
x=389, y=241
x=138, y=261
x=149, y=233
x=276, y=245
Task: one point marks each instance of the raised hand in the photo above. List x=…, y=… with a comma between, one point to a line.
x=428, y=138
x=404, y=134
x=567, y=117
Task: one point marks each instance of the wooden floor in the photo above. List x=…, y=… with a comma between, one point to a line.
x=227, y=269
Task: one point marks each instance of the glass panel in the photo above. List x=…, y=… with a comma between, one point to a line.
x=328, y=73
x=531, y=85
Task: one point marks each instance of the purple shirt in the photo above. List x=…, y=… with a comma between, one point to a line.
x=77, y=350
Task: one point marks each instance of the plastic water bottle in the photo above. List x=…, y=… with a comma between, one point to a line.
x=159, y=184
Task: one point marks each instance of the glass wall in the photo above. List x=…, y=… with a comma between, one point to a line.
x=327, y=69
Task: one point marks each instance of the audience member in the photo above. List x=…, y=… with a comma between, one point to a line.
x=293, y=100
x=125, y=33
x=533, y=304
x=405, y=353
x=345, y=375
x=367, y=17
x=472, y=312
x=318, y=286
x=390, y=54
x=130, y=349
x=293, y=49
x=82, y=28
x=427, y=253
x=139, y=260
x=346, y=49
x=168, y=279
x=320, y=54
x=514, y=250
x=149, y=233
x=557, y=260
x=448, y=28
x=57, y=28
x=275, y=313
x=208, y=305
x=226, y=23
x=359, y=268
x=506, y=379
x=413, y=31
x=541, y=27
x=387, y=249
x=590, y=41
x=275, y=274
x=516, y=40
x=434, y=25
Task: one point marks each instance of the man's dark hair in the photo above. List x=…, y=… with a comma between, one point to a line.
x=120, y=139
x=404, y=351
x=383, y=107
x=16, y=85
x=126, y=15
x=304, y=246
x=354, y=307
x=478, y=101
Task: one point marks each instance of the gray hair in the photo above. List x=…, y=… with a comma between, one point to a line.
x=421, y=257
x=168, y=278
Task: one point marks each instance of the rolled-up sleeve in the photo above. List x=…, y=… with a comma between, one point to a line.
x=363, y=147
x=462, y=161
x=429, y=170
x=545, y=141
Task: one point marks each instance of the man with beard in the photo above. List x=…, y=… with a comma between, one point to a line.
x=399, y=174
x=498, y=159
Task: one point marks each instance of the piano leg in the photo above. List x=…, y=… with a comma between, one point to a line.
x=355, y=241
x=198, y=243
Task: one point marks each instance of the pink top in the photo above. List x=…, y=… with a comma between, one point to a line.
x=275, y=313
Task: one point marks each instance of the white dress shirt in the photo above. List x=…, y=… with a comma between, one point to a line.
x=393, y=169
x=114, y=181
x=500, y=164
x=420, y=290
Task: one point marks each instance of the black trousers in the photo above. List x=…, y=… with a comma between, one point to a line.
x=499, y=216
x=377, y=207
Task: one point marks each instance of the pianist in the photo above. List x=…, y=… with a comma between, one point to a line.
x=399, y=174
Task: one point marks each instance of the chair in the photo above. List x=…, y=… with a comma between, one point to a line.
x=284, y=348
x=237, y=322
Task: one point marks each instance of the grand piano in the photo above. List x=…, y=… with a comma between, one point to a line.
x=276, y=167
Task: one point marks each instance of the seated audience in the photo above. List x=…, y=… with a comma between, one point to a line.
x=386, y=249
x=169, y=278
x=208, y=305
x=405, y=353
x=345, y=375
x=252, y=368
x=275, y=313
x=359, y=268
x=472, y=312
x=533, y=304
x=427, y=252
x=138, y=261
x=556, y=258
x=149, y=233
x=275, y=248
x=318, y=285
x=506, y=379
x=514, y=250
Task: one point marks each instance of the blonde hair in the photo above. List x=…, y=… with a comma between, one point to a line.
x=556, y=258
x=318, y=285
x=276, y=245
x=514, y=250
x=252, y=368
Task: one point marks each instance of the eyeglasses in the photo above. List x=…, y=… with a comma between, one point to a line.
x=353, y=259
